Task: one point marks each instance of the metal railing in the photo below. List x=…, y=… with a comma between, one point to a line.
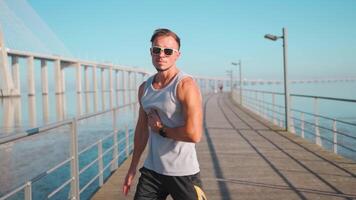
x=328, y=132
x=73, y=160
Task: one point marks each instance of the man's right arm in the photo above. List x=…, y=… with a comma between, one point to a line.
x=140, y=142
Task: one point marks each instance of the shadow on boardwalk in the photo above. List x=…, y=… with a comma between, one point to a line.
x=244, y=157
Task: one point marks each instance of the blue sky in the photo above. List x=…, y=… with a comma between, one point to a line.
x=321, y=33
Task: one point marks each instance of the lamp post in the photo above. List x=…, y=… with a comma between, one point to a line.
x=240, y=82
x=286, y=91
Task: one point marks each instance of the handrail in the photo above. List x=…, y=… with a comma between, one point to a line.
x=326, y=128
x=263, y=106
x=325, y=98
x=263, y=91
x=47, y=127
x=73, y=180
x=302, y=95
x=324, y=117
x=339, y=144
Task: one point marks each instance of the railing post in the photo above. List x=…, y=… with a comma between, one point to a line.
x=274, y=109
x=124, y=87
x=316, y=123
x=75, y=161
x=111, y=88
x=135, y=83
x=127, y=141
x=117, y=81
x=264, y=107
x=111, y=83
x=28, y=191
x=291, y=119
x=302, y=124
x=256, y=103
x=116, y=145
x=335, y=136
x=260, y=105
x=280, y=119
x=265, y=103
x=103, y=88
x=207, y=85
x=101, y=165
x=260, y=113
x=129, y=86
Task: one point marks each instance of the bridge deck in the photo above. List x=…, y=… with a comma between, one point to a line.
x=244, y=157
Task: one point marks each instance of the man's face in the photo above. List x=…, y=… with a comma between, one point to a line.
x=161, y=60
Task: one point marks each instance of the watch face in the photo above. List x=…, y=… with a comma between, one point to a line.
x=162, y=133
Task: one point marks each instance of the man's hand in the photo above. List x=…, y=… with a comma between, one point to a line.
x=154, y=121
x=128, y=181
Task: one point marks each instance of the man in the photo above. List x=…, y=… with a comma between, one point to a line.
x=170, y=120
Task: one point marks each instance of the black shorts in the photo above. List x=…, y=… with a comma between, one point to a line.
x=156, y=186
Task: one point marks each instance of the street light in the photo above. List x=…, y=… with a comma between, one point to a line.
x=240, y=84
x=286, y=92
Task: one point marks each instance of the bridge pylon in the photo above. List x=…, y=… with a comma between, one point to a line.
x=6, y=81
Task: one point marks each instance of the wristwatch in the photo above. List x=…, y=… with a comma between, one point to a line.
x=162, y=131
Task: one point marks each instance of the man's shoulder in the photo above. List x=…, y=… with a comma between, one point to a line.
x=187, y=86
x=186, y=81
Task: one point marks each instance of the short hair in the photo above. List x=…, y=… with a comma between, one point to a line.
x=165, y=32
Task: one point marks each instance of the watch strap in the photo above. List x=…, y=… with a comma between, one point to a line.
x=162, y=132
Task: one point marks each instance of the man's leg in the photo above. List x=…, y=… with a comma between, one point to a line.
x=185, y=187
x=150, y=186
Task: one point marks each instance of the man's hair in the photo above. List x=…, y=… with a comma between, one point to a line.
x=165, y=32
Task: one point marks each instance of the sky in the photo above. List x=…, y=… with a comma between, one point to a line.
x=321, y=34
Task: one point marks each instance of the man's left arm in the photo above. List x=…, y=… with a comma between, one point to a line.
x=189, y=95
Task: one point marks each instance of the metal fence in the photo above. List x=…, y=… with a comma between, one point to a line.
x=73, y=160
x=333, y=134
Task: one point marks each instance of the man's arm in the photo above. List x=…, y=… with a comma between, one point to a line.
x=189, y=95
x=140, y=141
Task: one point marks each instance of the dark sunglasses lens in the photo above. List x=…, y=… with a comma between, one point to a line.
x=156, y=50
x=168, y=51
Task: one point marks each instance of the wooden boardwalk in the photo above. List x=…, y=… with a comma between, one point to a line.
x=244, y=157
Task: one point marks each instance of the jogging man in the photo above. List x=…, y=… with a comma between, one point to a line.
x=170, y=120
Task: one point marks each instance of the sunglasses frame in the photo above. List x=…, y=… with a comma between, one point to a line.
x=163, y=49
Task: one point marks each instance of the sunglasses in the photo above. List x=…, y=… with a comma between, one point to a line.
x=167, y=51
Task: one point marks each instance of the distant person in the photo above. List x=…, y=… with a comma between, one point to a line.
x=221, y=87
x=170, y=120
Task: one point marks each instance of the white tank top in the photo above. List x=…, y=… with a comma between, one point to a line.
x=167, y=156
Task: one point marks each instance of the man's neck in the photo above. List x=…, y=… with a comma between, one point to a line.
x=163, y=78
